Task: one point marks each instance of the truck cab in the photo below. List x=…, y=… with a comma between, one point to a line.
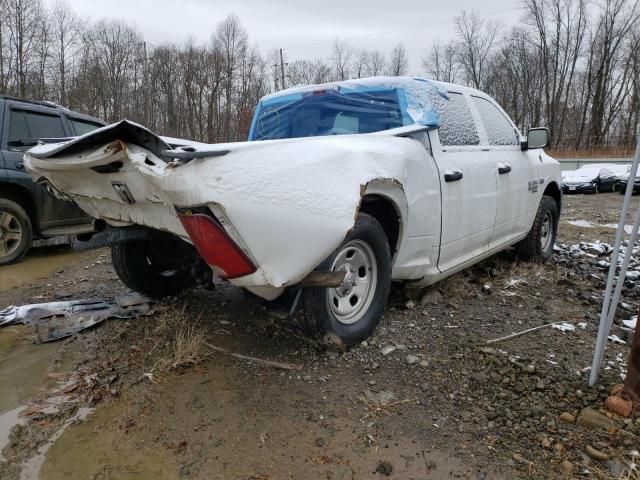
x=27, y=209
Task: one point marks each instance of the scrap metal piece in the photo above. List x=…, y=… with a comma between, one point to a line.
x=323, y=279
x=57, y=320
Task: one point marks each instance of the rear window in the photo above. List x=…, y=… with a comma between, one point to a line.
x=328, y=113
x=82, y=126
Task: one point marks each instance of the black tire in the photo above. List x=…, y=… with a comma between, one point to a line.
x=537, y=247
x=613, y=187
x=16, y=232
x=153, y=267
x=366, y=238
x=596, y=187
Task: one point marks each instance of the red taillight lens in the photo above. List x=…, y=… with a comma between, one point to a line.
x=216, y=247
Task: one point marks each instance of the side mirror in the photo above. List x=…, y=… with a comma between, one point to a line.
x=539, y=137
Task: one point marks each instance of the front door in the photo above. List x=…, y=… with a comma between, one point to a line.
x=516, y=172
x=468, y=184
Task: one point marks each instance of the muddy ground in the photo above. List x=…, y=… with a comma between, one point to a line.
x=147, y=398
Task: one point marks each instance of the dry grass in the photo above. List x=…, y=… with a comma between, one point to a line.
x=630, y=471
x=188, y=345
x=375, y=408
x=612, y=152
x=176, y=340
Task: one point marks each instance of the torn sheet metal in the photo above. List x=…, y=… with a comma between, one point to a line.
x=57, y=320
x=287, y=203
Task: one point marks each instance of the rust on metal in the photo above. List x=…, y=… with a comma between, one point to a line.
x=114, y=147
x=625, y=399
x=632, y=380
x=323, y=279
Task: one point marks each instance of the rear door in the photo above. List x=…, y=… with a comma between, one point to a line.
x=468, y=184
x=27, y=122
x=516, y=172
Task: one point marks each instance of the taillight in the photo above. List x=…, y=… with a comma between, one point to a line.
x=216, y=247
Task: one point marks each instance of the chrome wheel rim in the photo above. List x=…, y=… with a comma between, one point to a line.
x=351, y=300
x=10, y=233
x=546, y=231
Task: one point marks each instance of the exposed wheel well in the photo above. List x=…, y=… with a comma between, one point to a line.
x=21, y=196
x=554, y=192
x=385, y=212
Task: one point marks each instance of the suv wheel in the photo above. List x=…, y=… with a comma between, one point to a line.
x=15, y=231
x=538, y=245
x=346, y=315
x=154, y=267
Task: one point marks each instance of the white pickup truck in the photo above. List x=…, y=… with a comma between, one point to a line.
x=341, y=189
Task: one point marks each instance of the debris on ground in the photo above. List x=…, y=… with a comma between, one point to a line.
x=56, y=320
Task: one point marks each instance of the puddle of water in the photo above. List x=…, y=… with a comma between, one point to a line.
x=39, y=263
x=587, y=224
x=7, y=421
x=23, y=366
x=97, y=448
x=31, y=468
x=23, y=372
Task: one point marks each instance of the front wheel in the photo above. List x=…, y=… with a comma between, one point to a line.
x=349, y=313
x=594, y=187
x=538, y=245
x=15, y=231
x=156, y=267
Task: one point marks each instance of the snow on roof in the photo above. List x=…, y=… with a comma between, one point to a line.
x=421, y=94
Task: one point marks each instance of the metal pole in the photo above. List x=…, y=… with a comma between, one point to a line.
x=607, y=304
x=284, y=83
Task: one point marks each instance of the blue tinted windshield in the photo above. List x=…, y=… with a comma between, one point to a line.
x=328, y=112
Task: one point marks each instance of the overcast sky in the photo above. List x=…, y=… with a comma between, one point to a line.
x=304, y=28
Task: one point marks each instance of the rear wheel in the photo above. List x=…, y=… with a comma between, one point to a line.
x=538, y=245
x=154, y=267
x=15, y=231
x=349, y=313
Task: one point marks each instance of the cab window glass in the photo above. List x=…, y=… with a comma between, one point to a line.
x=83, y=127
x=44, y=126
x=457, y=127
x=17, y=126
x=499, y=130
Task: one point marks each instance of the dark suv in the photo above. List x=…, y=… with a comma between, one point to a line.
x=27, y=210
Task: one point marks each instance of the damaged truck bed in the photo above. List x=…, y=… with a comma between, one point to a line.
x=353, y=178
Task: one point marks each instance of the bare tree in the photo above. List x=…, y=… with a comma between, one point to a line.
x=376, y=63
x=476, y=38
x=341, y=60
x=232, y=39
x=24, y=18
x=66, y=32
x=441, y=62
x=398, y=63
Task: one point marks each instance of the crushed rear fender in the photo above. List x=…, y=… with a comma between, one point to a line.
x=287, y=203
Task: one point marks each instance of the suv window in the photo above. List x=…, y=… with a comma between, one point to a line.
x=457, y=127
x=29, y=124
x=83, y=126
x=499, y=129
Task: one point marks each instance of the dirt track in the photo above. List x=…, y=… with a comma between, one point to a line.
x=458, y=410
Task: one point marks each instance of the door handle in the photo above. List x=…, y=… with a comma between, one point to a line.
x=504, y=168
x=19, y=165
x=452, y=175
